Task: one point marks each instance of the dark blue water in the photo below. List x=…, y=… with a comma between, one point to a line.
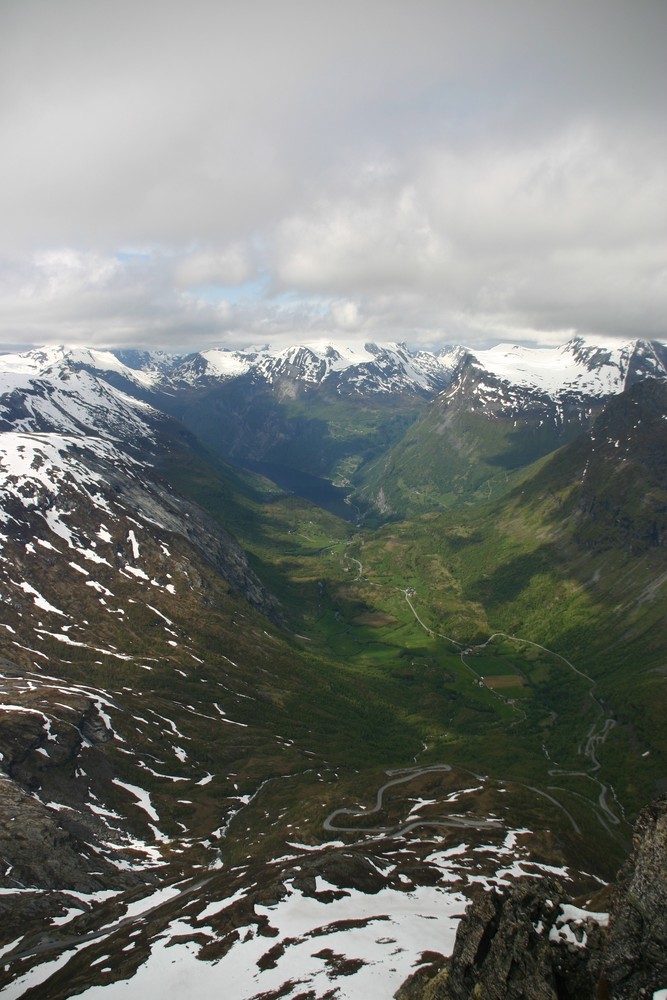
x=319, y=491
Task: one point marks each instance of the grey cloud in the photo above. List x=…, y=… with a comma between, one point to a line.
x=427, y=168
x=231, y=266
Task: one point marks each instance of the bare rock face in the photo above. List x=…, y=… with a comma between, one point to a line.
x=512, y=946
x=530, y=942
x=635, y=958
x=39, y=850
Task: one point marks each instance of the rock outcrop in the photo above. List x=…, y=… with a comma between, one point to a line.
x=635, y=957
x=529, y=941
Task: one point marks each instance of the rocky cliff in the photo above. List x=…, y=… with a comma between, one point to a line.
x=529, y=941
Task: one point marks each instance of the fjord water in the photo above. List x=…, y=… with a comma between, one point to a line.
x=319, y=491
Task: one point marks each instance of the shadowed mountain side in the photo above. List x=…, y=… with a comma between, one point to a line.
x=621, y=496
x=312, y=432
x=508, y=580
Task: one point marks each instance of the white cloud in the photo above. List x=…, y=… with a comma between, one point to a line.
x=424, y=170
x=346, y=315
x=377, y=239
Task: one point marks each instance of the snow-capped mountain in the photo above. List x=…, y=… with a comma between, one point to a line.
x=70, y=391
x=344, y=369
x=576, y=370
x=562, y=387
x=143, y=367
x=579, y=368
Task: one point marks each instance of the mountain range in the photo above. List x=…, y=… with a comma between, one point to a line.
x=209, y=676
x=579, y=368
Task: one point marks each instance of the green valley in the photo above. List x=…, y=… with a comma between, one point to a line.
x=489, y=636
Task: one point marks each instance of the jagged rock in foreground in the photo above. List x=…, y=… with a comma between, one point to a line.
x=530, y=942
x=635, y=956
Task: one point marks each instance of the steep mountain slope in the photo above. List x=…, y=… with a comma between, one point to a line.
x=103, y=579
x=620, y=467
x=104, y=572
x=504, y=408
x=57, y=390
x=320, y=409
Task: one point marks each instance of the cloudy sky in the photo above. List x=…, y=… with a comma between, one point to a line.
x=237, y=172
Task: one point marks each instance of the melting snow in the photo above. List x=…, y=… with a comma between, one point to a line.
x=40, y=601
x=392, y=930
x=141, y=795
x=569, y=925
x=132, y=538
x=78, y=568
x=135, y=571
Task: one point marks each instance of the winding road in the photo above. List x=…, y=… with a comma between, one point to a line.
x=595, y=737
x=408, y=774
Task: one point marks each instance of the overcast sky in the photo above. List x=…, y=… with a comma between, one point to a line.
x=183, y=175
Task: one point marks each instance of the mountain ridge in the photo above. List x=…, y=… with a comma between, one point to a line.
x=580, y=367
